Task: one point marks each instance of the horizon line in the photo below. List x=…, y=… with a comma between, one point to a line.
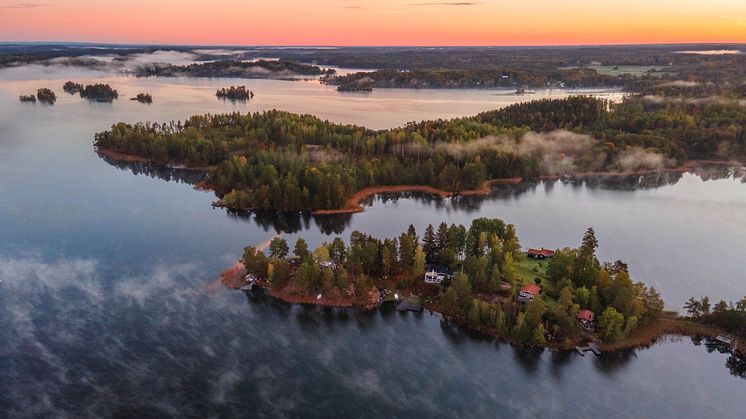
x=300, y=46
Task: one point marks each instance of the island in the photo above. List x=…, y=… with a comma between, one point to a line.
x=72, y=87
x=282, y=161
x=46, y=96
x=98, y=92
x=237, y=93
x=27, y=98
x=255, y=69
x=480, y=278
x=143, y=98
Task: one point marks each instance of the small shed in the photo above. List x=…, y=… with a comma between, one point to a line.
x=529, y=292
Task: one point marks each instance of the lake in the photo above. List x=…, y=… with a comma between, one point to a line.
x=104, y=310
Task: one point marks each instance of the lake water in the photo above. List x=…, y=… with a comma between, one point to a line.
x=103, y=306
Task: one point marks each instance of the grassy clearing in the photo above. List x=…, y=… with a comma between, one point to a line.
x=669, y=324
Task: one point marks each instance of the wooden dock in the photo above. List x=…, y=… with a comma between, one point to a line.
x=591, y=347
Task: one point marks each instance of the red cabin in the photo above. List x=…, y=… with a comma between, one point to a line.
x=540, y=253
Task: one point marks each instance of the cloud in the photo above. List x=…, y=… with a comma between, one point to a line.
x=25, y=6
x=446, y=3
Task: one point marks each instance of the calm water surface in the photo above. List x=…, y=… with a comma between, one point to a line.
x=103, y=307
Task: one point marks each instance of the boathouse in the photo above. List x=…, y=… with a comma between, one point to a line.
x=585, y=318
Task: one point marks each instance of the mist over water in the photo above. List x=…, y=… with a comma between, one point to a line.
x=103, y=268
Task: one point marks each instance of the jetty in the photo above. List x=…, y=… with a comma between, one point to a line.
x=591, y=347
x=408, y=305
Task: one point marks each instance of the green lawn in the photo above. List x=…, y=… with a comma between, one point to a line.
x=531, y=268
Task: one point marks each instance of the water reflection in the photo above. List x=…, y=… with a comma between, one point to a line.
x=294, y=222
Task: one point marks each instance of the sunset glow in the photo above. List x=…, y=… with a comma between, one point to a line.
x=387, y=22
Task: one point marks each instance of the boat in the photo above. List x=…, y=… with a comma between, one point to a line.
x=726, y=339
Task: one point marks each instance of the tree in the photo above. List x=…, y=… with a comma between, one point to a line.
x=278, y=248
x=693, y=307
x=429, y=244
x=321, y=253
x=586, y=266
x=594, y=303
x=534, y=312
x=418, y=268
x=327, y=279
x=509, y=269
x=704, y=305
x=255, y=262
x=301, y=250
x=511, y=244
x=611, y=322
x=442, y=238
x=582, y=297
x=338, y=250
x=280, y=274
x=741, y=304
x=538, y=338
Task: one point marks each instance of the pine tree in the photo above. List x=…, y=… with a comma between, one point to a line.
x=429, y=245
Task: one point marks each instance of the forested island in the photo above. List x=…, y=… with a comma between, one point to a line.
x=479, y=278
x=492, y=78
x=47, y=96
x=240, y=93
x=43, y=95
x=98, y=92
x=260, y=69
x=143, y=98
x=282, y=161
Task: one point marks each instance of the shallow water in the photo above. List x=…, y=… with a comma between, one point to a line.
x=103, y=307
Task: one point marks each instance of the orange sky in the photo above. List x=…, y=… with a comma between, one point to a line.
x=384, y=22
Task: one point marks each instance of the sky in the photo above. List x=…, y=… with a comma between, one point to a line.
x=381, y=22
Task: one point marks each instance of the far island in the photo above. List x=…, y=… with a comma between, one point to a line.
x=480, y=278
x=143, y=98
x=98, y=92
x=43, y=95
x=236, y=93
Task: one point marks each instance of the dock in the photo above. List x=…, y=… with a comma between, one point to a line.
x=407, y=305
x=591, y=347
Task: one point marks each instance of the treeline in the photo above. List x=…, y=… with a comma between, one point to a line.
x=283, y=161
x=726, y=315
x=260, y=69
x=475, y=78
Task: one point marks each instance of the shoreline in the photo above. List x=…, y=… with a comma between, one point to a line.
x=353, y=206
x=133, y=158
x=669, y=325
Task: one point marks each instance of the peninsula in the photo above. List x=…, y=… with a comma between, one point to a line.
x=282, y=161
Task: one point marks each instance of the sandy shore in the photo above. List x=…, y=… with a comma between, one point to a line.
x=353, y=203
